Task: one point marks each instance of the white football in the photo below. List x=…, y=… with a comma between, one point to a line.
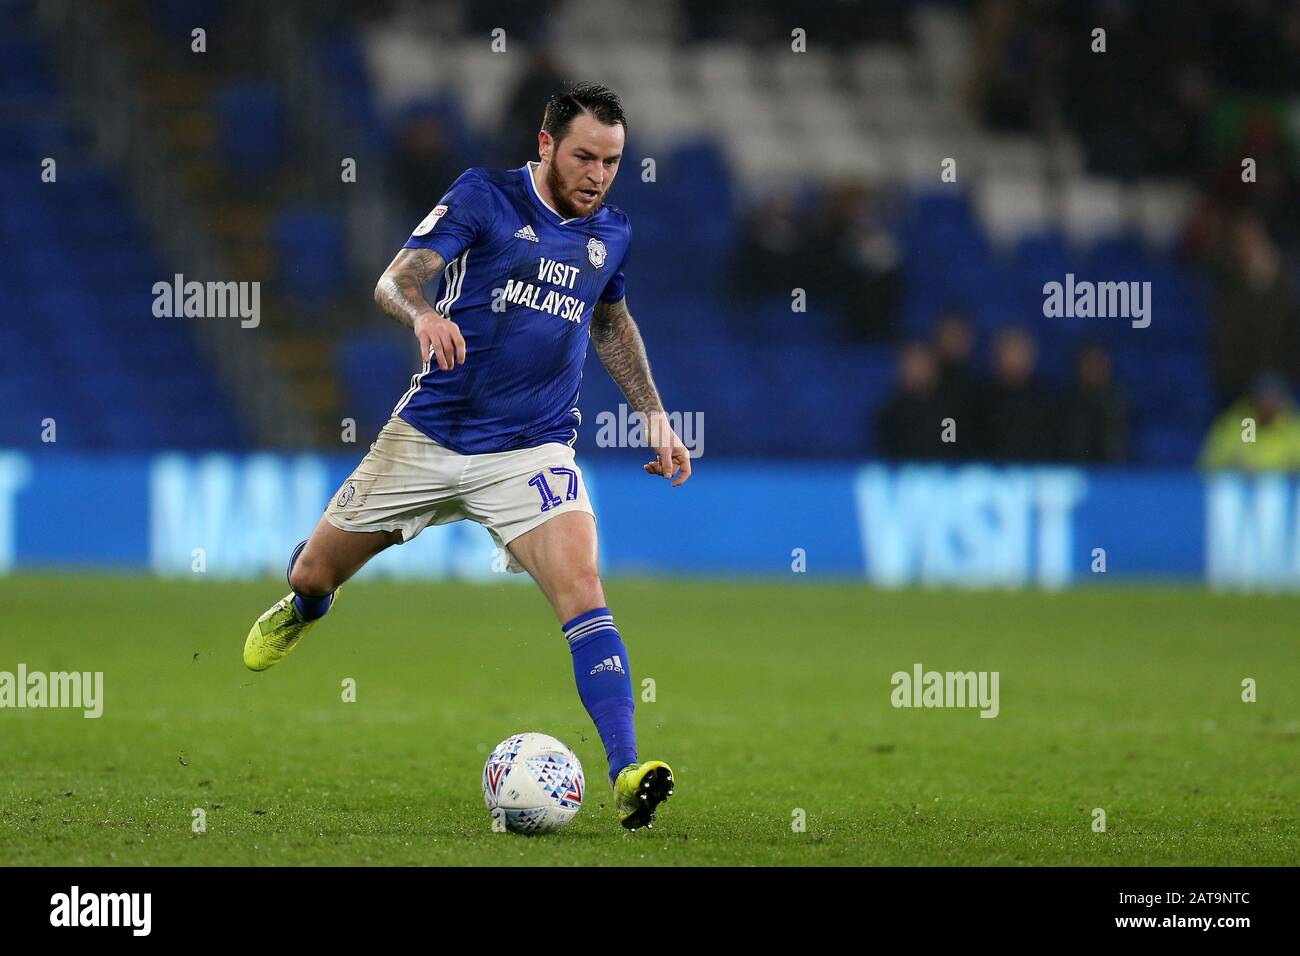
x=532, y=783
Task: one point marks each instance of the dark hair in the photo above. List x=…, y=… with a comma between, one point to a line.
x=600, y=101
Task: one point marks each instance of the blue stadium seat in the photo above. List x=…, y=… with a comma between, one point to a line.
x=375, y=369
x=344, y=74
x=312, y=254
x=251, y=129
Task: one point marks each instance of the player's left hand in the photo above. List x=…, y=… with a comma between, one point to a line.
x=673, y=461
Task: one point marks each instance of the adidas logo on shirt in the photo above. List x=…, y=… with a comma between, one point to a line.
x=609, y=664
x=527, y=233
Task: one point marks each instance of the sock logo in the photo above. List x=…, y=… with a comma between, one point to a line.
x=614, y=664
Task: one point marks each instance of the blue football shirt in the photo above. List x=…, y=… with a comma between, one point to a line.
x=521, y=282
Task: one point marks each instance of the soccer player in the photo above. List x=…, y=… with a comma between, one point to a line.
x=530, y=265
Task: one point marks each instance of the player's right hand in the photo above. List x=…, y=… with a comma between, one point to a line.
x=672, y=460
x=440, y=341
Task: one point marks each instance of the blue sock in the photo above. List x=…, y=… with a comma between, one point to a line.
x=601, y=667
x=310, y=608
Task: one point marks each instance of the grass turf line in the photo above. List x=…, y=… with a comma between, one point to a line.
x=769, y=698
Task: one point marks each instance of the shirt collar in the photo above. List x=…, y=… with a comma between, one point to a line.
x=555, y=217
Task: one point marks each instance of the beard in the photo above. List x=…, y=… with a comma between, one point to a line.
x=559, y=192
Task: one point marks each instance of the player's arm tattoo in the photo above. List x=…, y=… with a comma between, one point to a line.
x=619, y=345
x=400, y=291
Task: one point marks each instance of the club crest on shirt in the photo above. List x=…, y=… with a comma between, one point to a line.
x=431, y=220
x=596, y=252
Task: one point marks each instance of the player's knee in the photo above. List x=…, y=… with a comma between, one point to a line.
x=584, y=591
x=310, y=577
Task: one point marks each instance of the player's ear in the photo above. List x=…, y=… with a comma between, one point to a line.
x=544, y=145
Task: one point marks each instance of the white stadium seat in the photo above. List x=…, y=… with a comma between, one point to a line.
x=404, y=65
x=494, y=76
x=879, y=69
x=720, y=66
x=1161, y=209
x=1011, y=206
x=1092, y=209
x=1021, y=156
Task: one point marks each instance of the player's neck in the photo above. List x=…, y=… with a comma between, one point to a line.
x=540, y=184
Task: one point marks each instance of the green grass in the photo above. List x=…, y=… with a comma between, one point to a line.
x=770, y=697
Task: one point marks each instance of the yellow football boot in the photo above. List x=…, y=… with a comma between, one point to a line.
x=275, y=634
x=638, y=791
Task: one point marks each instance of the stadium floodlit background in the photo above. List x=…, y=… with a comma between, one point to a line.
x=844, y=219
x=836, y=248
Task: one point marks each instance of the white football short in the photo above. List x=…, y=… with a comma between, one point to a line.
x=408, y=481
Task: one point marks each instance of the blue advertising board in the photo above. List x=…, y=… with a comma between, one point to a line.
x=975, y=525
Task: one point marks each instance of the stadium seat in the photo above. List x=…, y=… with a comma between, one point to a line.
x=131, y=380
x=1093, y=209
x=375, y=369
x=251, y=124
x=311, y=252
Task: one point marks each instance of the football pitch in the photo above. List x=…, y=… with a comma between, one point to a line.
x=772, y=701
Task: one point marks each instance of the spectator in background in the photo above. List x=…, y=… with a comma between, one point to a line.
x=423, y=166
x=854, y=264
x=1253, y=128
x=523, y=115
x=909, y=425
x=1096, y=413
x=1010, y=75
x=954, y=345
x=767, y=261
x=843, y=256
x=1107, y=99
x=838, y=23
x=1269, y=410
x=1256, y=322
x=1017, y=412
